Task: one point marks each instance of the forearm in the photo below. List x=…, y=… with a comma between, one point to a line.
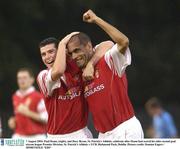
x=114, y=33
x=100, y=50
x=96, y=57
x=60, y=62
x=35, y=116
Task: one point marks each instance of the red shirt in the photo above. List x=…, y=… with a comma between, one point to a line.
x=65, y=103
x=24, y=124
x=107, y=94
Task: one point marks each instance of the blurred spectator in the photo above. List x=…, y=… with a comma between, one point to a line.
x=149, y=132
x=163, y=125
x=29, y=108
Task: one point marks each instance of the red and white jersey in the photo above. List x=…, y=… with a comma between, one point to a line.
x=34, y=100
x=65, y=103
x=107, y=93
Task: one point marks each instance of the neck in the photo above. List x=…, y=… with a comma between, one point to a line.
x=22, y=90
x=90, y=55
x=88, y=59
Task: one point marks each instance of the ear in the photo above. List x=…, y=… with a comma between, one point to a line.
x=32, y=80
x=89, y=46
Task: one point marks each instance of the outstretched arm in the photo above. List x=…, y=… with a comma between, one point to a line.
x=114, y=33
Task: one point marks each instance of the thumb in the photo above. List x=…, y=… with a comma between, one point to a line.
x=28, y=102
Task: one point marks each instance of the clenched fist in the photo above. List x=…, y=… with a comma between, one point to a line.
x=89, y=16
x=23, y=109
x=12, y=122
x=88, y=72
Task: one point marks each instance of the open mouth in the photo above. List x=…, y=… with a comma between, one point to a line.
x=50, y=62
x=79, y=58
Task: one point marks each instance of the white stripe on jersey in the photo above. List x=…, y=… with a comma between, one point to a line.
x=116, y=60
x=42, y=110
x=46, y=84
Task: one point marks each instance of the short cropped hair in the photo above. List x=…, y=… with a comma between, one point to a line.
x=48, y=41
x=82, y=37
x=31, y=74
x=153, y=103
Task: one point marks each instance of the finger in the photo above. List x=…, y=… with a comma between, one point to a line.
x=28, y=102
x=86, y=17
x=89, y=78
x=68, y=37
x=73, y=33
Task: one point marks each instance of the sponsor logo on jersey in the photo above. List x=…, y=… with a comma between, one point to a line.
x=89, y=90
x=76, y=77
x=70, y=94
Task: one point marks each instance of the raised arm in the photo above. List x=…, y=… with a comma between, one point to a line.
x=114, y=33
x=59, y=65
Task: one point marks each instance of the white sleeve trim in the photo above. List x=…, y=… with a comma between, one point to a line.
x=94, y=49
x=47, y=85
x=117, y=61
x=42, y=111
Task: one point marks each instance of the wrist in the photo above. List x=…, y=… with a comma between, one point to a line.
x=28, y=112
x=90, y=62
x=96, y=19
x=62, y=44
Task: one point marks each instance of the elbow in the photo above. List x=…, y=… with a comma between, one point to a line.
x=125, y=43
x=57, y=73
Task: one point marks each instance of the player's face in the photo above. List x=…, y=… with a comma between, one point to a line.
x=152, y=111
x=80, y=53
x=24, y=80
x=48, y=54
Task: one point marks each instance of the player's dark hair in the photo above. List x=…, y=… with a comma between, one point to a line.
x=153, y=103
x=48, y=41
x=26, y=70
x=82, y=37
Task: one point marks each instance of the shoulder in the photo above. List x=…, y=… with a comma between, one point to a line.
x=166, y=115
x=101, y=63
x=14, y=95
x=38, y=94
x=41, y=74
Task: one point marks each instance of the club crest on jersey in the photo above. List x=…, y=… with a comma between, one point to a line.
x=97, y=73
x=28, y=101
x=76, y=77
